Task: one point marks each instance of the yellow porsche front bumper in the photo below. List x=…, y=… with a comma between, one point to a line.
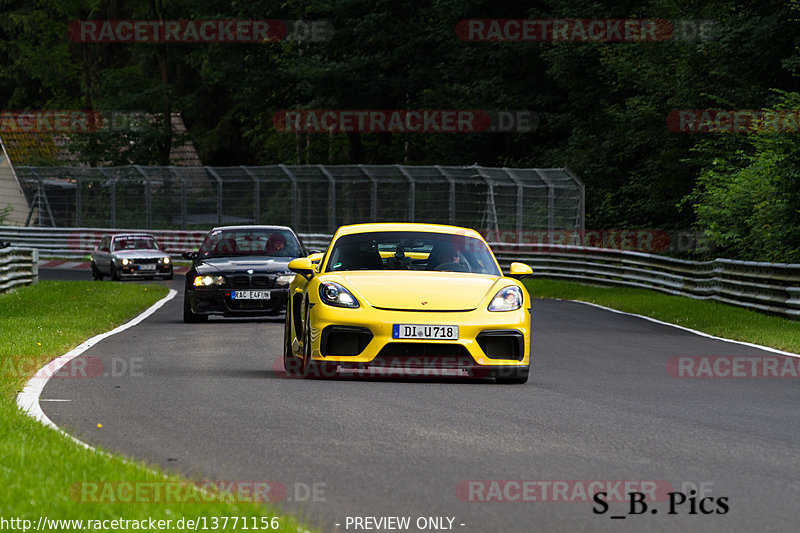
x=363, y=337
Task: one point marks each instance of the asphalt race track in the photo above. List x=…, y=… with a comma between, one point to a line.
x=211, y=401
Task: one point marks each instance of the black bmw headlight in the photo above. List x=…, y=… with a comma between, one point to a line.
x=208, y=281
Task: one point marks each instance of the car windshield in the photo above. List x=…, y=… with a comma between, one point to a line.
x=135, y=243
x=236, y=242
x=406, y=250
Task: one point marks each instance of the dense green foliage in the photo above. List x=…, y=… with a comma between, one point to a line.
x=602, y=107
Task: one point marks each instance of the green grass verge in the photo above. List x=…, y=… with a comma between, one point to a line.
x=709, y=317
x=44, y=474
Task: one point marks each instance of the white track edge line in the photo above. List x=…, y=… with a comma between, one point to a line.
x=696, y=332
x=28, y=398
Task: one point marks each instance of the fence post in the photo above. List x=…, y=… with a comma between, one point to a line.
x=256, y=194
x=331, y=198
x=148, y=205
x=551, y=204
x=219, y=193
x=520, y=192
x=412, y=192
x=295, y=215
x=452, y=182
x=373, y=208
x=35, y=265
x=113, y=207
x=78, y=200
x=581, y=221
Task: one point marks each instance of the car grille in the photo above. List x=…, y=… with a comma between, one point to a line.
x=344, y=340
x=144, y=261
x=259, y=281
x=502, y=344
x=423, y=355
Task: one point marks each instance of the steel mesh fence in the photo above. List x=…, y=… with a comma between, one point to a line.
x=310, y=198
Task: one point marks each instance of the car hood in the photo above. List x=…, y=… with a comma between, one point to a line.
x=262, y=264
x=441, y=291
x=140, y=254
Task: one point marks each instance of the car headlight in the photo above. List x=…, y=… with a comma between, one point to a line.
x=208, y=281
x=125, y=262
x=284, y=279
x=167, y=260
x=334, y=294
x=507, y=299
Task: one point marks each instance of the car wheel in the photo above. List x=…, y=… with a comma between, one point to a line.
x=168, y=277
x=96, y=274
x=515, y=377
x=114, y=273
x=189, y=317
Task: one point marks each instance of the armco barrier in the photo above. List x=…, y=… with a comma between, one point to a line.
x=76, y=243
x=18, y=266
x=768, y=287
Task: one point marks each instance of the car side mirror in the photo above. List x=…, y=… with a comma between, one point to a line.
x=189, y=255
x=316, y=257
x=520, y=271
x=302, y=266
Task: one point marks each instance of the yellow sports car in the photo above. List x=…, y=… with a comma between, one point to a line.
x=407, y=298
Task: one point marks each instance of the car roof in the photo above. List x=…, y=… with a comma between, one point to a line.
x=407, y=226
x=131, y=235
x=252, y=226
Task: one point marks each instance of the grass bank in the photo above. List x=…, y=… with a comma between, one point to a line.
x=44, y=474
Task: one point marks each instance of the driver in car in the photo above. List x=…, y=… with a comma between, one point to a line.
x=445, y=256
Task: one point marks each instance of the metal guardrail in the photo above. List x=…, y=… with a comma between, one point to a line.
x=77, y=243
x=767, y=287
x=18, y=266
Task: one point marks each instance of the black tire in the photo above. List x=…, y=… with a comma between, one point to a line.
x=515, y=377
x=114, y=273
x=189, y=317
x=168, y=277
x=96, y=274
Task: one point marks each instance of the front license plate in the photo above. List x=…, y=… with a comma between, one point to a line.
x=250, y=295
x=147, y=267
x=424, y=331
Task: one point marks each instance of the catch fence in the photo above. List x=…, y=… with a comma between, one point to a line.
x=309, y=198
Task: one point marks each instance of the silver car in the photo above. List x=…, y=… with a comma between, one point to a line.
x=130, y=255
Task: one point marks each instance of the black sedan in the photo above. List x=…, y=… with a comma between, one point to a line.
x=240, y=271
